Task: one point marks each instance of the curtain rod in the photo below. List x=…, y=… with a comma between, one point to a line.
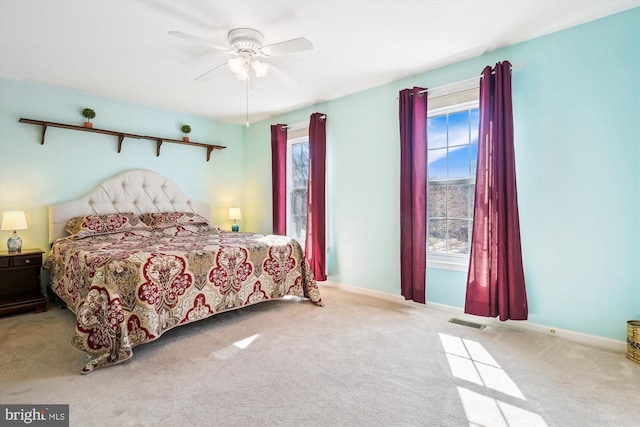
x=454, y=93
x=459, y=82
x=450, y=84
x=303, y=124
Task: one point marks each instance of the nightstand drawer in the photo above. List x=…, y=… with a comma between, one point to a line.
x=27, y=260
x=20, y=287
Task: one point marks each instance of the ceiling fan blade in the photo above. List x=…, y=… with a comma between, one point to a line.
x=286, y=78
x=210, y=74
x=189, y=37
x=289, y=46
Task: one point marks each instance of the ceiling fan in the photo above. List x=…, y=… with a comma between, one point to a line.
x=249, y=55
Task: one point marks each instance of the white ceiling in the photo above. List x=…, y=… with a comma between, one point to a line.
x=120, y=48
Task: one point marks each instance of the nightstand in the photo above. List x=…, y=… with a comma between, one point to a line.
x=20, y=281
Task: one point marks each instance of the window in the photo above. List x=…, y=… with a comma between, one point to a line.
x=297, y=187
x=452, y=135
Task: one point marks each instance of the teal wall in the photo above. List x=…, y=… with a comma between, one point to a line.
x=576, y=109
x=577, y=134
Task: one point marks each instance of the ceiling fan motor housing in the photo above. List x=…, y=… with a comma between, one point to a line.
x=246, y=40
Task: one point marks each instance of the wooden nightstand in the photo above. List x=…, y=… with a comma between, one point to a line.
x=20, y=281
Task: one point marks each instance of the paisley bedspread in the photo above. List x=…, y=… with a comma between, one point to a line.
x=128, y=288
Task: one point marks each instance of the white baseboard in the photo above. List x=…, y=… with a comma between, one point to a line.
x=593, y=340
x=365, y=291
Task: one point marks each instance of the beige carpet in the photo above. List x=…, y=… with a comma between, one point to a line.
x=358, y=361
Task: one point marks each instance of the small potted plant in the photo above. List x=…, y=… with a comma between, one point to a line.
x=186, y=129
x=89, y=114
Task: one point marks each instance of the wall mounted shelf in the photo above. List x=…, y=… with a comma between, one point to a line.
x=121, y=136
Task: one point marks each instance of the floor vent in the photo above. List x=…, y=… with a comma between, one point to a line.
x=465, y=323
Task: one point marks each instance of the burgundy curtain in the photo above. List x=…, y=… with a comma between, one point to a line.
x=413, y=194
x=279, y=177
x=315, y=244
x=495, y=282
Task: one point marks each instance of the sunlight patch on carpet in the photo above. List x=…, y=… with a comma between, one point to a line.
x=486, y=411
x=229, y=351
x=470, y=361
x=246, y=342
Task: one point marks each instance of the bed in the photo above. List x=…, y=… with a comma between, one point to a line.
x=137, y=257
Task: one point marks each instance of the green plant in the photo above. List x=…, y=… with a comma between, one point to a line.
x=88, y=113
x=186, y=129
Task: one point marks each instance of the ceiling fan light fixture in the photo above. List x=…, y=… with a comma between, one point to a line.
x=261, y=68
x=236, y=65
x=243, y=74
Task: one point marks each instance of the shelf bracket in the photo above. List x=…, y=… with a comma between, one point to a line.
x=120, y=139
x=209, y=150
x=158, y=144
x=44, y=130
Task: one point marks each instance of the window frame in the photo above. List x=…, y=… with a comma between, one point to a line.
x=289, y=185
x=456, y=262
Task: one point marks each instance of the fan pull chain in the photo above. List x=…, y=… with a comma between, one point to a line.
x=247, y=91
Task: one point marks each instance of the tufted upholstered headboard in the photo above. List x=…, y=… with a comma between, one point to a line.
x=138, y=191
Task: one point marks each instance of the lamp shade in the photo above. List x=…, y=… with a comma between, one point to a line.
x=14, y=220
x=234, y=213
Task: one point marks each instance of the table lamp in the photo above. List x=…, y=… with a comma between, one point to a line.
x=14, y=220
x=234, y=214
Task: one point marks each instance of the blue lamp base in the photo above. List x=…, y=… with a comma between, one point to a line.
x=14, y=243
x=235, y=227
